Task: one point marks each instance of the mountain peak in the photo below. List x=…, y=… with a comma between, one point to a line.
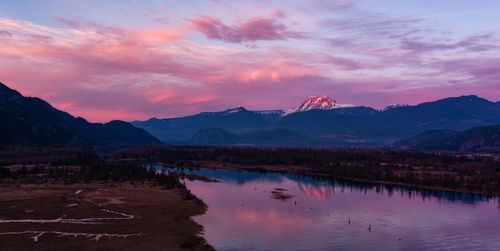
x=315, y=102
x=5, y=91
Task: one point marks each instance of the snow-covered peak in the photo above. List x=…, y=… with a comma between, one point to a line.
x=315, y=102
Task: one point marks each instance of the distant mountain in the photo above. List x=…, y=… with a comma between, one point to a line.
x=329, y=123
x=32, y=121
x=115, y=132
x=430, y=140
x=382, y=127
x=326, y=123
x=236, y=120
x=477, y=139
x=271, y=116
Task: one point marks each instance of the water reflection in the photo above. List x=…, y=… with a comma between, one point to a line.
x=321, y=188
x=317, y=191
x=329, y=214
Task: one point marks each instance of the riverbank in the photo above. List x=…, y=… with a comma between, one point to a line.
x=58, y=198
x=301, y=170
x=99, y=216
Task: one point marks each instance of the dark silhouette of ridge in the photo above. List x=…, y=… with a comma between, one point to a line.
x=32, y=121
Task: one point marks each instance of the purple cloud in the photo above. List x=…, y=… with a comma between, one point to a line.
x=5, y=33
x=254, y=29
x=472, y=43
x=137, y=66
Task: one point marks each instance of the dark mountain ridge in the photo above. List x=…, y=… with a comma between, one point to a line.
x=32, y=121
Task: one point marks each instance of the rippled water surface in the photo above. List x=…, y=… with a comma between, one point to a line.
x=243, y=215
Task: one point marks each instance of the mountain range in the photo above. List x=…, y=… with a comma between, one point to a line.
x=237, y=121
x=32, y=121
x=457, y=123
x=321, y=122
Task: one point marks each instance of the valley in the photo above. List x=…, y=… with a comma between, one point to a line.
x=249, y=125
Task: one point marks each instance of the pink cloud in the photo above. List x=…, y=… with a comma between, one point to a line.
x=252, y=30
x=5, y=33
x=102, y=72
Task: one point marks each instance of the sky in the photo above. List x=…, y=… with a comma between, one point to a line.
x=133, y=60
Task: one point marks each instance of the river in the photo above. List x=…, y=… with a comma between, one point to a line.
x=251, y=210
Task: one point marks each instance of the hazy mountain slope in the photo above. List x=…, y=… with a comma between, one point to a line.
x=458, y=113
x=430, y=140
x=385, y=126
x=273, y=137
x=486, y=138
x=270, y=116
x=477, y=139
x=180, y=130
x=215, y=136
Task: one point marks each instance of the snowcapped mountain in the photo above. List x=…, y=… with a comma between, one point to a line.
x=331, y=124
x=315, y=102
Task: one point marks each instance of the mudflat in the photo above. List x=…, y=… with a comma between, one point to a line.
x=98, y=216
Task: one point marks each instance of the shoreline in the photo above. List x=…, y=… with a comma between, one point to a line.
x=304, y=171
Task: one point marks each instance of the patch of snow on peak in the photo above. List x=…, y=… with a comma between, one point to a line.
x=316, y=102
x=233, y=110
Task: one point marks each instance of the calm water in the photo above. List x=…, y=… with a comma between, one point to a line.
x=242, y=215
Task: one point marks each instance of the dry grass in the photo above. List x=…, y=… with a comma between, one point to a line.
x=118, y=217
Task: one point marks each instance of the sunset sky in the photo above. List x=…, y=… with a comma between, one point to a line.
x=131, y=59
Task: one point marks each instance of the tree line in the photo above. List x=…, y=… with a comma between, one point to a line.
x=426, y=169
